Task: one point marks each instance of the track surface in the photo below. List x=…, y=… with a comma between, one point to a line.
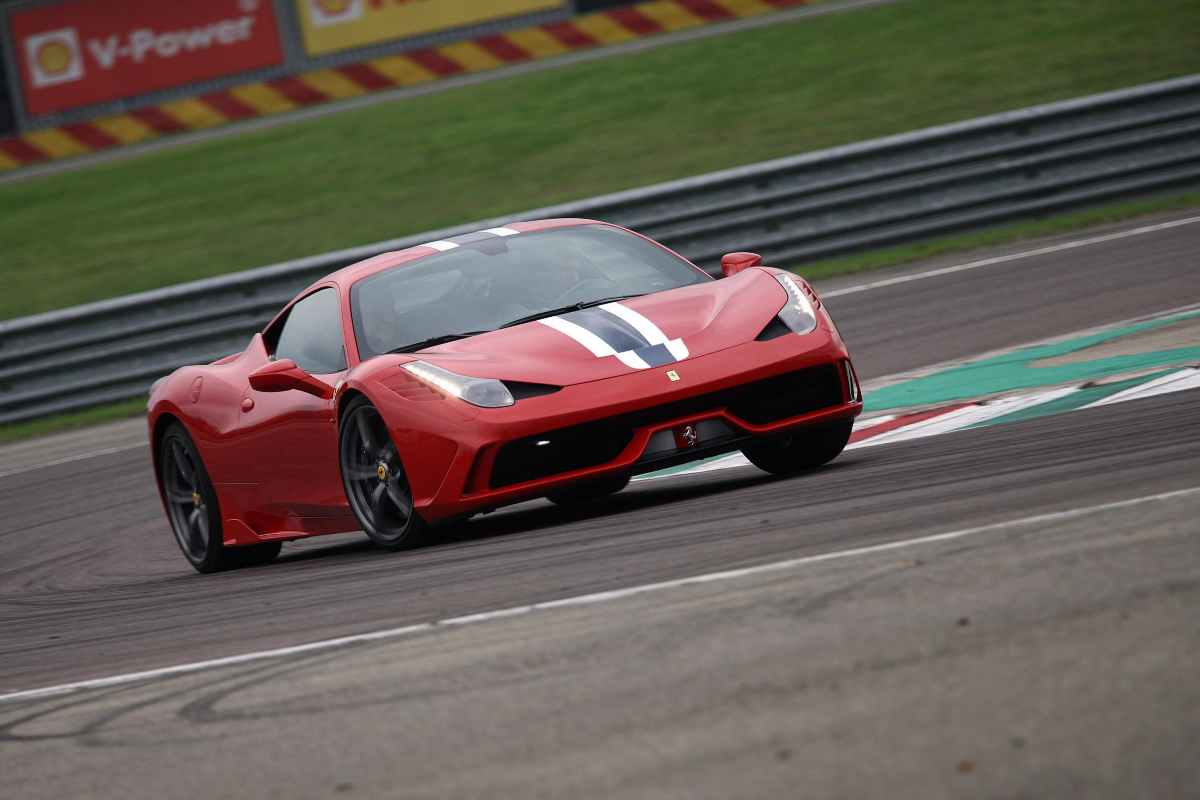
x=1044, y=660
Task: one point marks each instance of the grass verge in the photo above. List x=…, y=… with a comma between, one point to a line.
x=125, y=409
x=1006, y=234
x=501, y=147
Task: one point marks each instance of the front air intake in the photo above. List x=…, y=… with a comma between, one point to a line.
x=595, y=443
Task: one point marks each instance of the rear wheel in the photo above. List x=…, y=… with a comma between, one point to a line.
x=804, y=449
x=193, y=511
x=586, y=491
x=374, y=478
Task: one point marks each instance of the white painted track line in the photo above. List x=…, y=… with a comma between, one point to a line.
x=988, y=262
x=69, y=459
x=587, y=599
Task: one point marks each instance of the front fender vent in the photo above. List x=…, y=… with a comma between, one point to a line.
x=775, y=328
x=523, y=391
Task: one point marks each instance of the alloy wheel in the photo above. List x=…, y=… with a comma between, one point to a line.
x=187, y=500
x=376, y=484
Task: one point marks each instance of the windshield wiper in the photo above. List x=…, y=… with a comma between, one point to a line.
x=436, y=340
x=553, y=312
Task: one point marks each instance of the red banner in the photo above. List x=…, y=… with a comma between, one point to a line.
x=91, y=51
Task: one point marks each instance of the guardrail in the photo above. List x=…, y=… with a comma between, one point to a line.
x=845, y=199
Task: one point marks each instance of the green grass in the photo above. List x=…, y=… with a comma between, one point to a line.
x=70, y=421
x=514, y=144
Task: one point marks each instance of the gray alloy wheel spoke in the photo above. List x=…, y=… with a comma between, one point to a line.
x=197, y=535
x=177, y=495
x=365, y=434
x=399, y=498
x=361, y=473
x=203, y=524
x=182, y=463
x=388, y=455
x=377, y=502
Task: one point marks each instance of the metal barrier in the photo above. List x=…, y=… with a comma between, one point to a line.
x=896, y=189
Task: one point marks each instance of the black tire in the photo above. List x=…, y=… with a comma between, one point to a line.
x=256, y=554
x=193, y=511
x=586, y=491
x=374, y=479
x=801, y=450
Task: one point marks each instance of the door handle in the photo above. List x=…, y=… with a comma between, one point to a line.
x=247, y=403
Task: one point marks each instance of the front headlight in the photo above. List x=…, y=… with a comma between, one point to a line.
x=798, y=313
x=482, y=392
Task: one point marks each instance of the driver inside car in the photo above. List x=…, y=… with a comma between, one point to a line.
x=571, y=277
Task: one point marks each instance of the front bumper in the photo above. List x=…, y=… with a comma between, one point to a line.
x=649, y=398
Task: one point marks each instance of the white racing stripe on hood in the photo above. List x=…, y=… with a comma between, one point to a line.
x=597, y=346
x=678, y=349
x=632, y=360
x=646, y=327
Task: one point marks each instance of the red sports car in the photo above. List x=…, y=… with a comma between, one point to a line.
x=554, y=358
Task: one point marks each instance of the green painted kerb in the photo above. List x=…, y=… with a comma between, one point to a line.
x=1073, y=401
x=1015, y=370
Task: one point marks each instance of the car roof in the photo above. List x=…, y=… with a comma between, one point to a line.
x=348, y=276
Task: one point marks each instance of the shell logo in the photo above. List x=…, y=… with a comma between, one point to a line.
x=334, y=12
x=53, y=58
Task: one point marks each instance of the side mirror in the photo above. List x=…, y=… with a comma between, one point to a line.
x=733, y=263
x=283, y=375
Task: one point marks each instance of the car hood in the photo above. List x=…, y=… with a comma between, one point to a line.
x=694, y=320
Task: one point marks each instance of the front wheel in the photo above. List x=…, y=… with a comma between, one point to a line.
x=803, y=449
x=374, y=479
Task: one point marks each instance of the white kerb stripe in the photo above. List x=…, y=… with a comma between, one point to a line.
x=440, y=245
x=966, y=417
x=862, y=424
x=598, y=347
x=939, y=424
x=502, y=231
x=1164, y=384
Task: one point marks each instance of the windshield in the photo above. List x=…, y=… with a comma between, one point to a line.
x=482, y=285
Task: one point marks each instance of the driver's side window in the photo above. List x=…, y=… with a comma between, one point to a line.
x=312, y=334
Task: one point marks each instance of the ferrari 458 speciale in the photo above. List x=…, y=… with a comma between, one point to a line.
x=554, y=358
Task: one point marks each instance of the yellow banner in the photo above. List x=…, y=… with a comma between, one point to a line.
x=333, y=25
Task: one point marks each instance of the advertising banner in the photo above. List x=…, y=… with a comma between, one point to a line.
x=333, y=25
x=90, y=51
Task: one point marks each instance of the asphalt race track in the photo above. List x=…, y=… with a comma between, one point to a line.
x=1048, y=647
